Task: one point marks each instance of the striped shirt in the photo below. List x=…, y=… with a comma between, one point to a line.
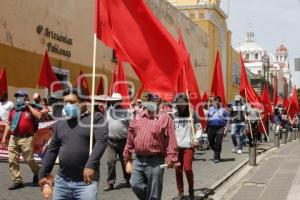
x=151, y=137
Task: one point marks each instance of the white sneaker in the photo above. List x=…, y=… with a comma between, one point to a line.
x=239, y=152
x=234, y=150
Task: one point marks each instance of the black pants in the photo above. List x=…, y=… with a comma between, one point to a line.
x=115, y=150
x=215, y=138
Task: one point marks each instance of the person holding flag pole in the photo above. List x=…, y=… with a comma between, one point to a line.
x=188, y=131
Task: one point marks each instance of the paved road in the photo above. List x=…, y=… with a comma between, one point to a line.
x=206, y=174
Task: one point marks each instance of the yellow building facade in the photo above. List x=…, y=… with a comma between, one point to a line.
x=65, y=29
x=208, y=15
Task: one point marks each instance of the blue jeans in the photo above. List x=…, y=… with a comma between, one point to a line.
x=70, y=190
x=147, y=177
x=238, y=130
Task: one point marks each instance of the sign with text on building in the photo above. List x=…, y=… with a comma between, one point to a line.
x=56, y=41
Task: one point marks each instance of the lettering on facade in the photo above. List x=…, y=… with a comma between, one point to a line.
x=57, y=37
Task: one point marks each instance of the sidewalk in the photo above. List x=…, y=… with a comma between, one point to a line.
x=277, y=177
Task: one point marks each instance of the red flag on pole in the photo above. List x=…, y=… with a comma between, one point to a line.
x=121, y=85
x=246, y=90
x=83, y=84
x=265, y=98
x=141, y=40
x=47, y=76
x=293, y=107
x=205, y=97
x=190, y=86
x=3, y=82
x=285, y=103
x=217, y=84
x=275, y=95
x=100, y=87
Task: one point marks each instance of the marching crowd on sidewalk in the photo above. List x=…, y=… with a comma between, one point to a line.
x=145, y=137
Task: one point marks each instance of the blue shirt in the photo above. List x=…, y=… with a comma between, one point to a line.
x=217, y=117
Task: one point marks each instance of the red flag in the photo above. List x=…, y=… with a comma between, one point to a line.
x=205, y=97
x=217, y=84
x=246, y=90
x=293, y=107
x=83, y=84
x=3, y=82
x=285, y=103
x=265, y=98
x=139, y=37
x=139, y=93
x=121, y=85
x=100, y=87
x=275, y=95
x=190, y=86
x=114, y=77
x=47, y=76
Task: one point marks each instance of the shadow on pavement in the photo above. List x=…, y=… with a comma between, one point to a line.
x=227, y=160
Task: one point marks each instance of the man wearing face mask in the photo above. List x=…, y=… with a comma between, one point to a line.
x=152, y=139
x=217, y=121
x=21, y=124
x=78, y=174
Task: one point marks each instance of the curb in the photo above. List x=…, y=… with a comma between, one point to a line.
x=219, y=182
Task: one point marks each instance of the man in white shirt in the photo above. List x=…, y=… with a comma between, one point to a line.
x=5, y=107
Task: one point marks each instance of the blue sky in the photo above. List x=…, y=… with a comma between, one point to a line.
x=273, y=21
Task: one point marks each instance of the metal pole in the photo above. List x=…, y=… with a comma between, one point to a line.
x=276, y=138
x=283, y=136
x=294, y=134
x=289, y=136
x=252, y=153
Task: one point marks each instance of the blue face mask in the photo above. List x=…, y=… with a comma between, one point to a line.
x=71, y=111
x=20, y=101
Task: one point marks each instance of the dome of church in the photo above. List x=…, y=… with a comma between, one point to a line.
x=281, y=48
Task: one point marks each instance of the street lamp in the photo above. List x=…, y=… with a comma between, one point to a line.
x=266, y=60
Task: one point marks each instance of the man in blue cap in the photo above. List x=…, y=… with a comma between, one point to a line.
x=22, y=124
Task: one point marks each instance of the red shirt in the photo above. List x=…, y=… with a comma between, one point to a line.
x=26, y=124
x=147, y=137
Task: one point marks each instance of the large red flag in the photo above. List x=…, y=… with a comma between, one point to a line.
x=293, y=107
x=3, y=82
x=190, y=86
x=121, y=85
x=83, y=84
x=246, y=90
x=100, y=87
x=47, y=76
x=217, y=84
x=265, y=98
x=139, y=37
x=275, y=95
x=205, y=97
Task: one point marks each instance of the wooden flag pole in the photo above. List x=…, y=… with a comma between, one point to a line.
x=248, y=119
x=189, y=104
x=265, y=131
x=93, y=95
